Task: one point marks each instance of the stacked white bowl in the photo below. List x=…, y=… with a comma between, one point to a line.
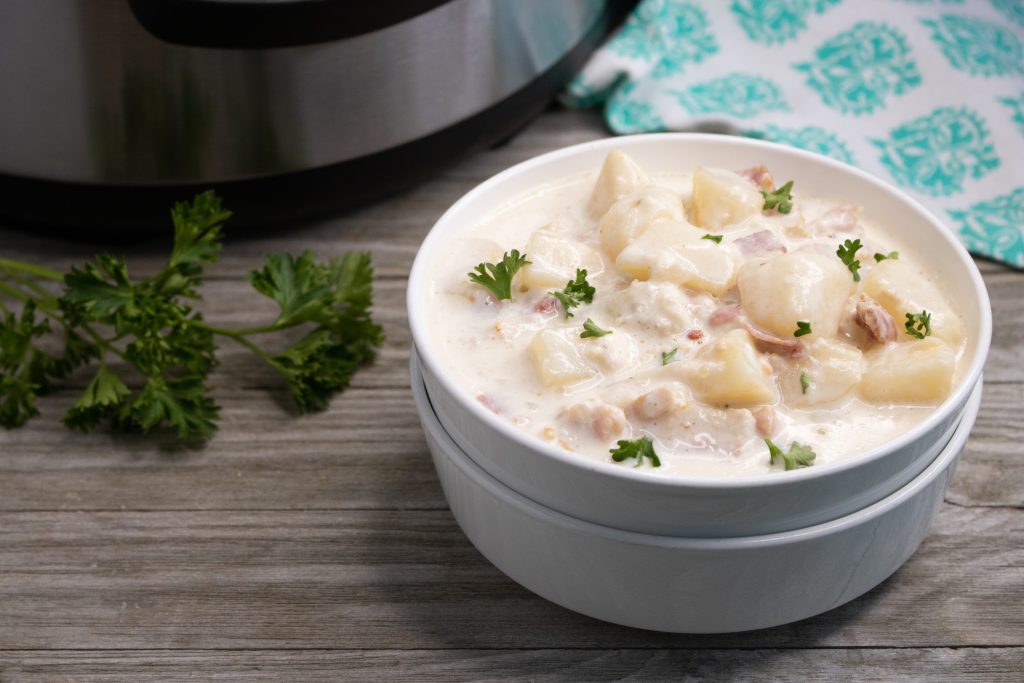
x=694, y=554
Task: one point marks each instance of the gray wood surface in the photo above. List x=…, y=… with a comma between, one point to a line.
x=320, y=547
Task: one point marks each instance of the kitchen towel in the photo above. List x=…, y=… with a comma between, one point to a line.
x=928, y=95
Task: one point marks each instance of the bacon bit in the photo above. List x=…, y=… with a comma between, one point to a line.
x=769, y=343
x=844, y=219
x=760, y=176
x=875, y=319
x=546, y=305
x=725, y=314
x=764, y=420
x=760, y=243
x=695, y=335
x=489, y=403
x=655, y=403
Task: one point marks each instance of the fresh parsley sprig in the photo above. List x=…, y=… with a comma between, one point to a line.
x=781, y=199
x=590, y=329
x=576, y=292
x=797, y=456
x=847, y=253
x=497, y=277
x=154, y=351
x=638, y=448
x=919, y=325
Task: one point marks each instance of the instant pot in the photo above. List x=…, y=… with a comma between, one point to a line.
x=114, y=109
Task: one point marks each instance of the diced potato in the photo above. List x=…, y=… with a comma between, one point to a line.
x=557, y=359
x=649, y=306
x=902, y=289
x=722, y=198
x=632, y=214
x=732, y=373
x=619, y=176
x=672, y=251
x=554, y=260
x=798, y=286
x=613, y=353
x=917, y=372
x=833, y=368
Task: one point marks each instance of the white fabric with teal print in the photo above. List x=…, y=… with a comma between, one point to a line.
x=926, y=94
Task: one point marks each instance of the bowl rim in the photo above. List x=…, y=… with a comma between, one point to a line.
x=419, y=326
x=944, y=460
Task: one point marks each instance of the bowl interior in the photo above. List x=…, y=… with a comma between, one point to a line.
x=905, y=221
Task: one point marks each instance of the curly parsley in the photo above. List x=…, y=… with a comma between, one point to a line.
x=781, y=200
x=919, y=325
x=847, y=253
x=576, y=292
x=154, y=351
x=879, y=257
x=590, y=329
x=638, y=448
x=797, y=456
x=497, y=277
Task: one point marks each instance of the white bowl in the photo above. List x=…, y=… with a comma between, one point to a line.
x=612, y=495
x=688, y=585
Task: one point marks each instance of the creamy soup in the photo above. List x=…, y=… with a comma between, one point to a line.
x=707, y=322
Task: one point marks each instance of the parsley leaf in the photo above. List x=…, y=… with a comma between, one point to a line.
x=590, y=329
x=576, y=292
x=638, y=448
x=669, y=356
x=879, y=257
x=781, y=200
x=717, y=239
x=805, y=382
x=919, y=325
x=497, y=277
x=798, y=455
x=149, y=327
x=802, y=327
x=847, y=254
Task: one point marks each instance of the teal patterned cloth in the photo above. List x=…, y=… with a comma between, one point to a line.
x=926, y=94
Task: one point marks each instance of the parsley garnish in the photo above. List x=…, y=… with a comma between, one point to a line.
x=798, y=455
x=717, y=239
x=805, y=382
x=779, y=199
x=576, y=292
x=891, y=255
x=669, y=356
x=639, y=448
x=590, y=329
x=847, y=252
x=163, y=348
x=497, y=277
x=919, y=325
x=802, y=327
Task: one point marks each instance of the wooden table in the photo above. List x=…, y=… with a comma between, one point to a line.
x=320, y=547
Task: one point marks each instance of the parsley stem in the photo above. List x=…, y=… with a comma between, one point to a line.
x=238, y=336
x=9, y=265
x=41, y=292
x=244, y=331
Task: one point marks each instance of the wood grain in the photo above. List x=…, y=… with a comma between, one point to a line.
x=320, y=547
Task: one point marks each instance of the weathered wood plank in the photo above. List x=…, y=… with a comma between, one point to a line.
x=984, y=665
x=383, y=580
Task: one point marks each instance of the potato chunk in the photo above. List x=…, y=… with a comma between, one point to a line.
x=832, y=370
x=650, y=307
x=920, y=371
x=613, y=353
x=902, y=289
x=557, y=359
x=619, y=176
x=673, y=251
x=631, y=215
x=554, y=260
x=722, y=198
x=732, y=373
x=799, y=286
